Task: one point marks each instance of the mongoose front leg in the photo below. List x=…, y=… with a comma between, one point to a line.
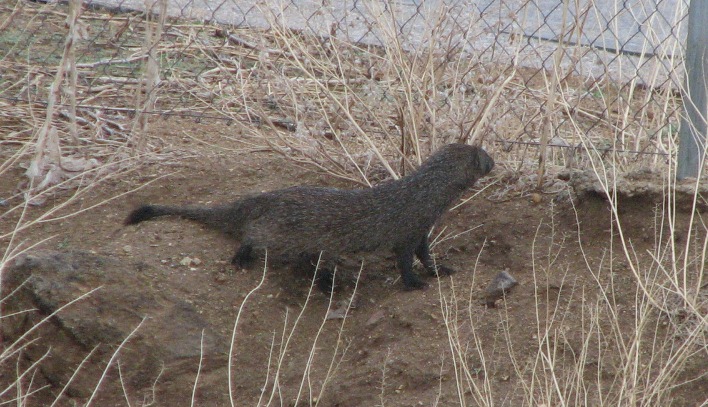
x=404, y=260
x=244, y=256
x=423, y=253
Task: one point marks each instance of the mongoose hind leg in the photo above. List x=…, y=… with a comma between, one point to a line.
x=404, y=261
x=423, y=253
x=325, y=280
x=244, y=257
x=311, y=265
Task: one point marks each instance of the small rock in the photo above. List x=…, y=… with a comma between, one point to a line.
x=335, y=314
x=502, y=284
x=128, y=248
x=375, y=317
x=340, y=312
x=190, y=262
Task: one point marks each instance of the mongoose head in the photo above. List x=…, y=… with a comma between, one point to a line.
x=464, y=163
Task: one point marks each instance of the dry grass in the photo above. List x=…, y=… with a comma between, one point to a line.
x=634, y=354
x=309, y=390
x=359, y=112
x=364, y=113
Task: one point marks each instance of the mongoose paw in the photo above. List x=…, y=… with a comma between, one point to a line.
x=414, y=283
x=242, y=262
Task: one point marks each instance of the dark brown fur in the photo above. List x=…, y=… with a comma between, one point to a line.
x=301, y=222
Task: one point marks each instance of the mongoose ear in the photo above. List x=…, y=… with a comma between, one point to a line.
x=480, y=158
x=488, y=163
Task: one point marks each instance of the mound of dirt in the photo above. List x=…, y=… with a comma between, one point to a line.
x=641, y=184
x=395, y=348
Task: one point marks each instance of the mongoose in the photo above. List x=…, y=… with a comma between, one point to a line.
x=300, y=222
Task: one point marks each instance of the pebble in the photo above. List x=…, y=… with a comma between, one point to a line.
x=189, y=262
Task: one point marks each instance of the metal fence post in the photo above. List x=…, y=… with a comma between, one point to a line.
x=692, y=137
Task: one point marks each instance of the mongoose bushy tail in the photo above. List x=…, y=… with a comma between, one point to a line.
x=301, y=222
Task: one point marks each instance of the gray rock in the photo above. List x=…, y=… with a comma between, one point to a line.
x=501, y=285
x=167, y=345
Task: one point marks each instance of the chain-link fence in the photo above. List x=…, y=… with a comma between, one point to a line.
x=574, y=75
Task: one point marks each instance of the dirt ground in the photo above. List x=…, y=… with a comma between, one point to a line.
x=394, y=348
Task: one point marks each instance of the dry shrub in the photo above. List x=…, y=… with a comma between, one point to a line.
x=366, y=111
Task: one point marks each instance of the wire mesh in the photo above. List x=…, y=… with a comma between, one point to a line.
x=616, y=66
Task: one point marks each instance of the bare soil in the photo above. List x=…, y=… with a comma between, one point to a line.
x=398, y=351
